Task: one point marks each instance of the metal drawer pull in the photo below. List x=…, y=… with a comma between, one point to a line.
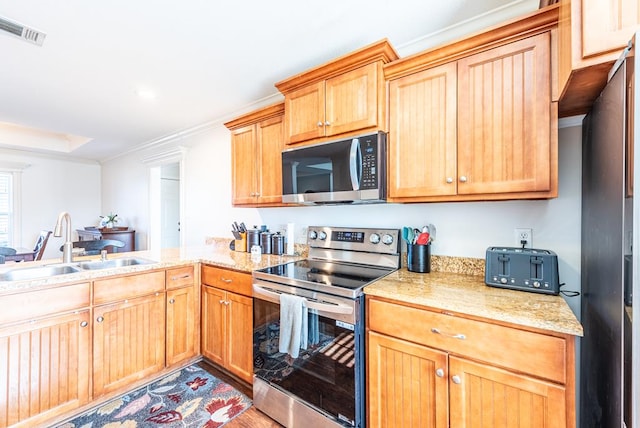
x=454, y=336
x=100, y=319
x=440, y=373
x=456, y=379
x=175, y=278
x=223, y=279
x=84, y=324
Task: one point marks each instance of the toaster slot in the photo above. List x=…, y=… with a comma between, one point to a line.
x=536, y=268
x=503, y=266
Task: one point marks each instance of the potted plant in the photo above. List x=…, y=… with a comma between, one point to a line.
x=108, y=221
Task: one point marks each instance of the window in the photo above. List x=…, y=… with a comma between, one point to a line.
x=6, y=208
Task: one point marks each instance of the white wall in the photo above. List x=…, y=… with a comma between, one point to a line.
x=464, y=228
x=52, y=185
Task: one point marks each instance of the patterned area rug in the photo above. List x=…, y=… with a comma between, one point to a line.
x=190, y=397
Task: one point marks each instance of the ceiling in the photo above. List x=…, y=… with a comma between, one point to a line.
x=206, y=61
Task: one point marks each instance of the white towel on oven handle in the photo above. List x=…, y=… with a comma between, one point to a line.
x=293, y=324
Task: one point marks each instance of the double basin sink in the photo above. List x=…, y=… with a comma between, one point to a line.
x=23, y=274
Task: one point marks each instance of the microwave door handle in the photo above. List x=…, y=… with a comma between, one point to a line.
x=354, y=163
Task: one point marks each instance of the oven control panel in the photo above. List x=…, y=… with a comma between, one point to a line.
x=383, y=241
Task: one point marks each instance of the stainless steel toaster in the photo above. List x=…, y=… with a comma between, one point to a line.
x=525, y=269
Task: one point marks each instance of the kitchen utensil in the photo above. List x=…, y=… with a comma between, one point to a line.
x=405, y=234
x=423, y=238
x=236, y=234
x=432, y=232
x=416, y=232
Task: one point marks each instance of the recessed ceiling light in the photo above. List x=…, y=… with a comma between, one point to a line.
x=146, y=94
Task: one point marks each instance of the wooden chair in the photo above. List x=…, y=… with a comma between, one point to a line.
x=95, y=246
x=41, y=244
x=6, y=251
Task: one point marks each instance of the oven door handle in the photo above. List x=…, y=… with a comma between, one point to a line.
x=317, y=304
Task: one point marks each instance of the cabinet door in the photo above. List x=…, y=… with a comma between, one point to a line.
x=45, y=368
x=304, y=113
x=270, y=143
x=608, y=25
x=504, y=108
x=128, y=341
x=243, y=165
x=484, y=396
x=240, y=337
x=407, y=384
x=352, y=100
x=181, y=324
x=213, y=324
x=422, y=137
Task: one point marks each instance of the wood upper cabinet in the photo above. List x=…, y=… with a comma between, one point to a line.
x=347, y=102
x=257, y=142
x=469, y=122
x=505, y=120
x=128, y=330
x=344, y=96
x=460, y=372
x=45, y=365
x=227, y=320
x=593, y=34
x=423, y=135
x=183, y=315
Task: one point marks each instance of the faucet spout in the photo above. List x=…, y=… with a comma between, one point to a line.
x=67, y=252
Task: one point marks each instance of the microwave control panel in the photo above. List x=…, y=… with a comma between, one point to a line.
x=369, y=150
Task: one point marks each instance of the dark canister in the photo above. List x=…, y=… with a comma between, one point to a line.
x=253, y=238
x=419, y=258
x=265, y=242
x=277, y=244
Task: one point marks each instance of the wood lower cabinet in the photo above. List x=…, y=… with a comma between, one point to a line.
x=257, y=141
x=438, y=370
x=227, y=321
x=45, y=365
x=183, y=315
x=128, y=330
x=481, y=125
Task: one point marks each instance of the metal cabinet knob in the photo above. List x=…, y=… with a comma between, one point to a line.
x=84, y=324
x=449, y=180
x=463, y=179
x=172, y=301
x=221, y=301
x=456, y=379
x=440, y=373
x=100, y=319
x=327, y=123
x=319, y=124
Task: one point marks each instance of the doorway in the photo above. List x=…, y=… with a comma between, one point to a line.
x=170, y=205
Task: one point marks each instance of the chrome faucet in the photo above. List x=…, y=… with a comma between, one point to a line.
x=67, y=247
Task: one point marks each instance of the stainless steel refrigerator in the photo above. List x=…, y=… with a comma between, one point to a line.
x=609, y=363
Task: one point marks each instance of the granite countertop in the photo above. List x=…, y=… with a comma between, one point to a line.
x=216, y=253
x=468, y=294
x=462, y=292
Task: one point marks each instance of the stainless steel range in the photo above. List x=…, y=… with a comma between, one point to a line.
x=321, y=383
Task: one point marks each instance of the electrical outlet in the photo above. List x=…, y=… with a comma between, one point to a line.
x=523, y=234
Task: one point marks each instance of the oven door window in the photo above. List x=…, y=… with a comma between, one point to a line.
x=323, y=375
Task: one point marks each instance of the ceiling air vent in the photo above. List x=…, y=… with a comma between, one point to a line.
x=21, y=31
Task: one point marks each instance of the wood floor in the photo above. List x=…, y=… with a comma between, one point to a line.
x=252, y=418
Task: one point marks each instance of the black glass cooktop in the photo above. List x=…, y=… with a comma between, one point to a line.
x=325, y=274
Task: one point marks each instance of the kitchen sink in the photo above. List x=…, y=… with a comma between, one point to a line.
x=113, y=263
x=22, y=274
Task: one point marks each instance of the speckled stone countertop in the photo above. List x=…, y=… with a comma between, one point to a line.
x=216, y=253
x=468, y=294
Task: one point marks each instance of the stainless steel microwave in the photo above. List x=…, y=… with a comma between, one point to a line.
x=347, y=171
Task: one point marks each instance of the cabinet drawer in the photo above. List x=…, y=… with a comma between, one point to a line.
x=34, y=304
x=524, y=351
x=179, y=277
x=126, y=287
x=227, y=280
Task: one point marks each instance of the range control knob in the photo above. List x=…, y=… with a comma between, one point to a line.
x=323, y=236
x=536, y=284
x=387, y=239
x=503, y=280
x=313, y=234
x=374, y=238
